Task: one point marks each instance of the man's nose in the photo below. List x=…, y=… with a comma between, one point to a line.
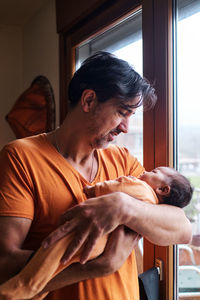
x=123, y=126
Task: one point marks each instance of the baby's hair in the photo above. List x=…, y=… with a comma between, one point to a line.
x=180, y=191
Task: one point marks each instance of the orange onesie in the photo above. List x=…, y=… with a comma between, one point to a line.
x=45, y=263
x=38, y=183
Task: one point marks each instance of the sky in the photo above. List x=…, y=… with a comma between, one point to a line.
x=188, y=60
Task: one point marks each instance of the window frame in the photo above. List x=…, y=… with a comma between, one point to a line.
x=157, y=67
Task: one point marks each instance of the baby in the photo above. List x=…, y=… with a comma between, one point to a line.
x=169, y=186
x=162, y=185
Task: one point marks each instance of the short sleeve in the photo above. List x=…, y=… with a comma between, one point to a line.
x=16, y=193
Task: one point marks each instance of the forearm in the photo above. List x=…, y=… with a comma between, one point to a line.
x=15, y=288
x=11, y=263
x=160, y=224
x=35, y=275
x=111, y=260
x=73, y=274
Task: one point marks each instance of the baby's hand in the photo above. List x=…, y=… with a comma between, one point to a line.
x=89, y=191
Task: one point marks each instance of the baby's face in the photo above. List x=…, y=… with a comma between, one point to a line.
x=157, y=177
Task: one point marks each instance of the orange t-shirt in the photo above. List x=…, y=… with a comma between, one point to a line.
x=39, y=184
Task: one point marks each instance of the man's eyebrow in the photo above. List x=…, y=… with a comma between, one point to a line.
x=128, y=107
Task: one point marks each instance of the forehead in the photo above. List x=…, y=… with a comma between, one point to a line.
x=166, y=171
x=130, y=104
x=115, y=103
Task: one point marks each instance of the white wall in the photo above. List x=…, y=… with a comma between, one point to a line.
x=11, y=79
x=40, y=45
x=25, y=53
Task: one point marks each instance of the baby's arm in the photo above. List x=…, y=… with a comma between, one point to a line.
x=44, y=265
x=121, y=184
x=127, y=184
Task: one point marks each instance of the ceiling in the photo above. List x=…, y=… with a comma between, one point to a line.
x=18, y=12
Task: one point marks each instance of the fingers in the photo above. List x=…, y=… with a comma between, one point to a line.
x=89, y=191
x=113, y=240
x=65, y=228
x=133, y=236
x=74, y=246
x=89, y=221
x=58, y=234
x=90, y=245
x=69, y=214
x=118, y=248
x=121, y=242
x=117, y=234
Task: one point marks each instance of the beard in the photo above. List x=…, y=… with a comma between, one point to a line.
x=101, y=139
x=104, y=140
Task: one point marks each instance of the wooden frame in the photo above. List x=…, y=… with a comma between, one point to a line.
x=157, y=36
x=157, y=49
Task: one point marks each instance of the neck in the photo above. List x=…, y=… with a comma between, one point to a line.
x=70, y=139
x=85, y=163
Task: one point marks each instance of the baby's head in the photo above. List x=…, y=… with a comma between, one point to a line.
x=170, y=186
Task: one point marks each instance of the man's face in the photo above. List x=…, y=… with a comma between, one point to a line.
x=110, y=119
x=157, y=177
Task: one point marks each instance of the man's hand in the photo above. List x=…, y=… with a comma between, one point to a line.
x=108, y=262
x=121, y=243
x=89, y=191
x=89, y=220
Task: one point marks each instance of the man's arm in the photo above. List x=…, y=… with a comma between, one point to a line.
x=13, y=232
x=110, y=261
x=136, y=189
x=161, y=224
x=25, y=287
x=95, y=217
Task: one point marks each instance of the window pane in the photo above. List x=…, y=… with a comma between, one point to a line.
x=125, y=41
x=188, y=126
x=133, y=140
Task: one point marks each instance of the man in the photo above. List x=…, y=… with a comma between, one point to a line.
x=44, y=176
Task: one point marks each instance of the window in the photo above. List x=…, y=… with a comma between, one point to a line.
x=125, y=41
x=157, y=67
x=188, y=142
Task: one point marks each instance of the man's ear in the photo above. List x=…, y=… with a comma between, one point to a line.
x=163, y=190
x=88, y=98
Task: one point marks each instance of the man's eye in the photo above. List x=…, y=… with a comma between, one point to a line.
x=123, y=114
x=126, y=113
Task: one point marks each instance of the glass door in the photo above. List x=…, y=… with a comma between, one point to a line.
x=188, y=139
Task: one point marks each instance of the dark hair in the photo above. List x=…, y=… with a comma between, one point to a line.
x=180, y=191
x=110, y=77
